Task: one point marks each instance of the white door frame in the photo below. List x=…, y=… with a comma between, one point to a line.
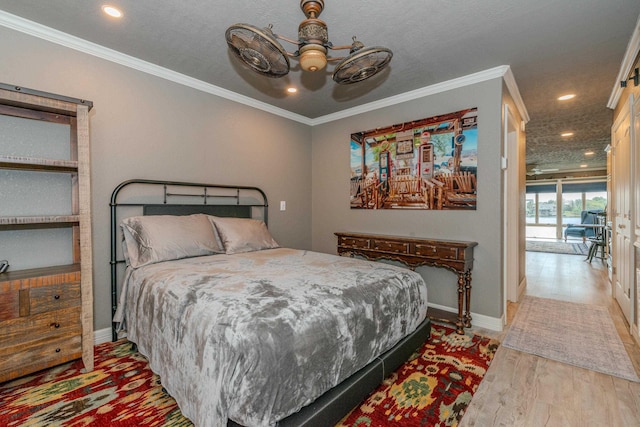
x=511, y=167
x=634, y=204
x=623, y=222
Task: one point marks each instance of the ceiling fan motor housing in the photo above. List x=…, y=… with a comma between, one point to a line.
x=313, y=37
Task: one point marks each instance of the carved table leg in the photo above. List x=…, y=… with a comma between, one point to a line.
x=461, y=290
x=467, y=291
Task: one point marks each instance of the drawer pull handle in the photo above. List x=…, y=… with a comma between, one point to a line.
x=55, y=325
x=435, y=250
x=56, y=297
x=57, y=350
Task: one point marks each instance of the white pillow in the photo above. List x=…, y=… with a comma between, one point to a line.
x=243, y=234
x=156, y=238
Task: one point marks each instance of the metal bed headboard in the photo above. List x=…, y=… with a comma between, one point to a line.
x=212, y=199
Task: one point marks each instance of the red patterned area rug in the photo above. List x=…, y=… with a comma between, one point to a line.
x=120, y=391
x=432, y=389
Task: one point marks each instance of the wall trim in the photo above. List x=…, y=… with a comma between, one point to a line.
x=521, y=288
x=625, y=68
x=58, y=37
x=101, y=336
x=479, y=320
x=510, y=81
x=459, y=82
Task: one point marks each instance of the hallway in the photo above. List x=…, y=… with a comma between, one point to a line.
x=520, y=389
x=571, y=278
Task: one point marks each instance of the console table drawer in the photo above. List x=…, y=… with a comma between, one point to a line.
x=441, y=252
x=390, y=246
x=353, y=242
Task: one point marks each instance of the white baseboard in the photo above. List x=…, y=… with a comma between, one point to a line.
x=521, y=287
x=479, y=320
x=101, y=336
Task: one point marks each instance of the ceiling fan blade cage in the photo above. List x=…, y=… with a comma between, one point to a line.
x=258, y=49
x=362, y=64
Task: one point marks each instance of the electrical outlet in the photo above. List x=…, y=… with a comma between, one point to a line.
x=283, y=205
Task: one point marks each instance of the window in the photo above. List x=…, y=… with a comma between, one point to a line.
x=541, y=211
x=547, y=219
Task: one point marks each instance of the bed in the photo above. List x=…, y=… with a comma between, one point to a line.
x=242, y=331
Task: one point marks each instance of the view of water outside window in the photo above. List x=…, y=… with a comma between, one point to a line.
x=546, y=226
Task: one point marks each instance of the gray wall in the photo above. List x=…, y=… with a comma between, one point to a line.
x=331, y=210
x=146, y=127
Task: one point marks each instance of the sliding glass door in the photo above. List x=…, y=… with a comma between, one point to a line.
x=542, y=211
x=552, y=205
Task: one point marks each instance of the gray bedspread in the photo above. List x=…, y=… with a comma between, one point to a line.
x=254, y=337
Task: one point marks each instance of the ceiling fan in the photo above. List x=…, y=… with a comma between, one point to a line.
x=537, y=171
x=261, y=51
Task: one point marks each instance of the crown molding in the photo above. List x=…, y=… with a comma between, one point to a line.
x=459, y=82
x=628, y=61
x=510, y=81
x=58, y=37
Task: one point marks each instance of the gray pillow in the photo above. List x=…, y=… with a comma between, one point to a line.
x=157, y=238
x=243, y=234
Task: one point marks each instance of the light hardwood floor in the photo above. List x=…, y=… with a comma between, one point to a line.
x=521, y=389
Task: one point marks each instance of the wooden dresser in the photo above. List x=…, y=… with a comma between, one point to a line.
x=40, y=319
x=456, y=256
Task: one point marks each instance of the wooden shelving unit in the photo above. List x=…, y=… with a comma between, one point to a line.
x=46, y=314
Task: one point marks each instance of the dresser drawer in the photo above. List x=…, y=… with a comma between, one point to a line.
x=54, y=297
x=390, y=246
x=36, y=355
x=353, y=242
x=440, y=252
x=15, y=333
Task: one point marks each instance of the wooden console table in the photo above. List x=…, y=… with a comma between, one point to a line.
x=456, y=256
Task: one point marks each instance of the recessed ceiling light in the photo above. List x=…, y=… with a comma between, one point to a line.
x=112, y=11
x=567, y=97
x=583, y=166
x=565, y=134
x=589, y=153
x=292, y=89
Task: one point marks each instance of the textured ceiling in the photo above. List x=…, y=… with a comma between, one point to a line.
x=552, y=46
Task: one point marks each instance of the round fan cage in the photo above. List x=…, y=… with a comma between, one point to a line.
x=361, y=65
x=258, y=49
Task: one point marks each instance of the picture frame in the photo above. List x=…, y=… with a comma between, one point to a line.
x=428, y=164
